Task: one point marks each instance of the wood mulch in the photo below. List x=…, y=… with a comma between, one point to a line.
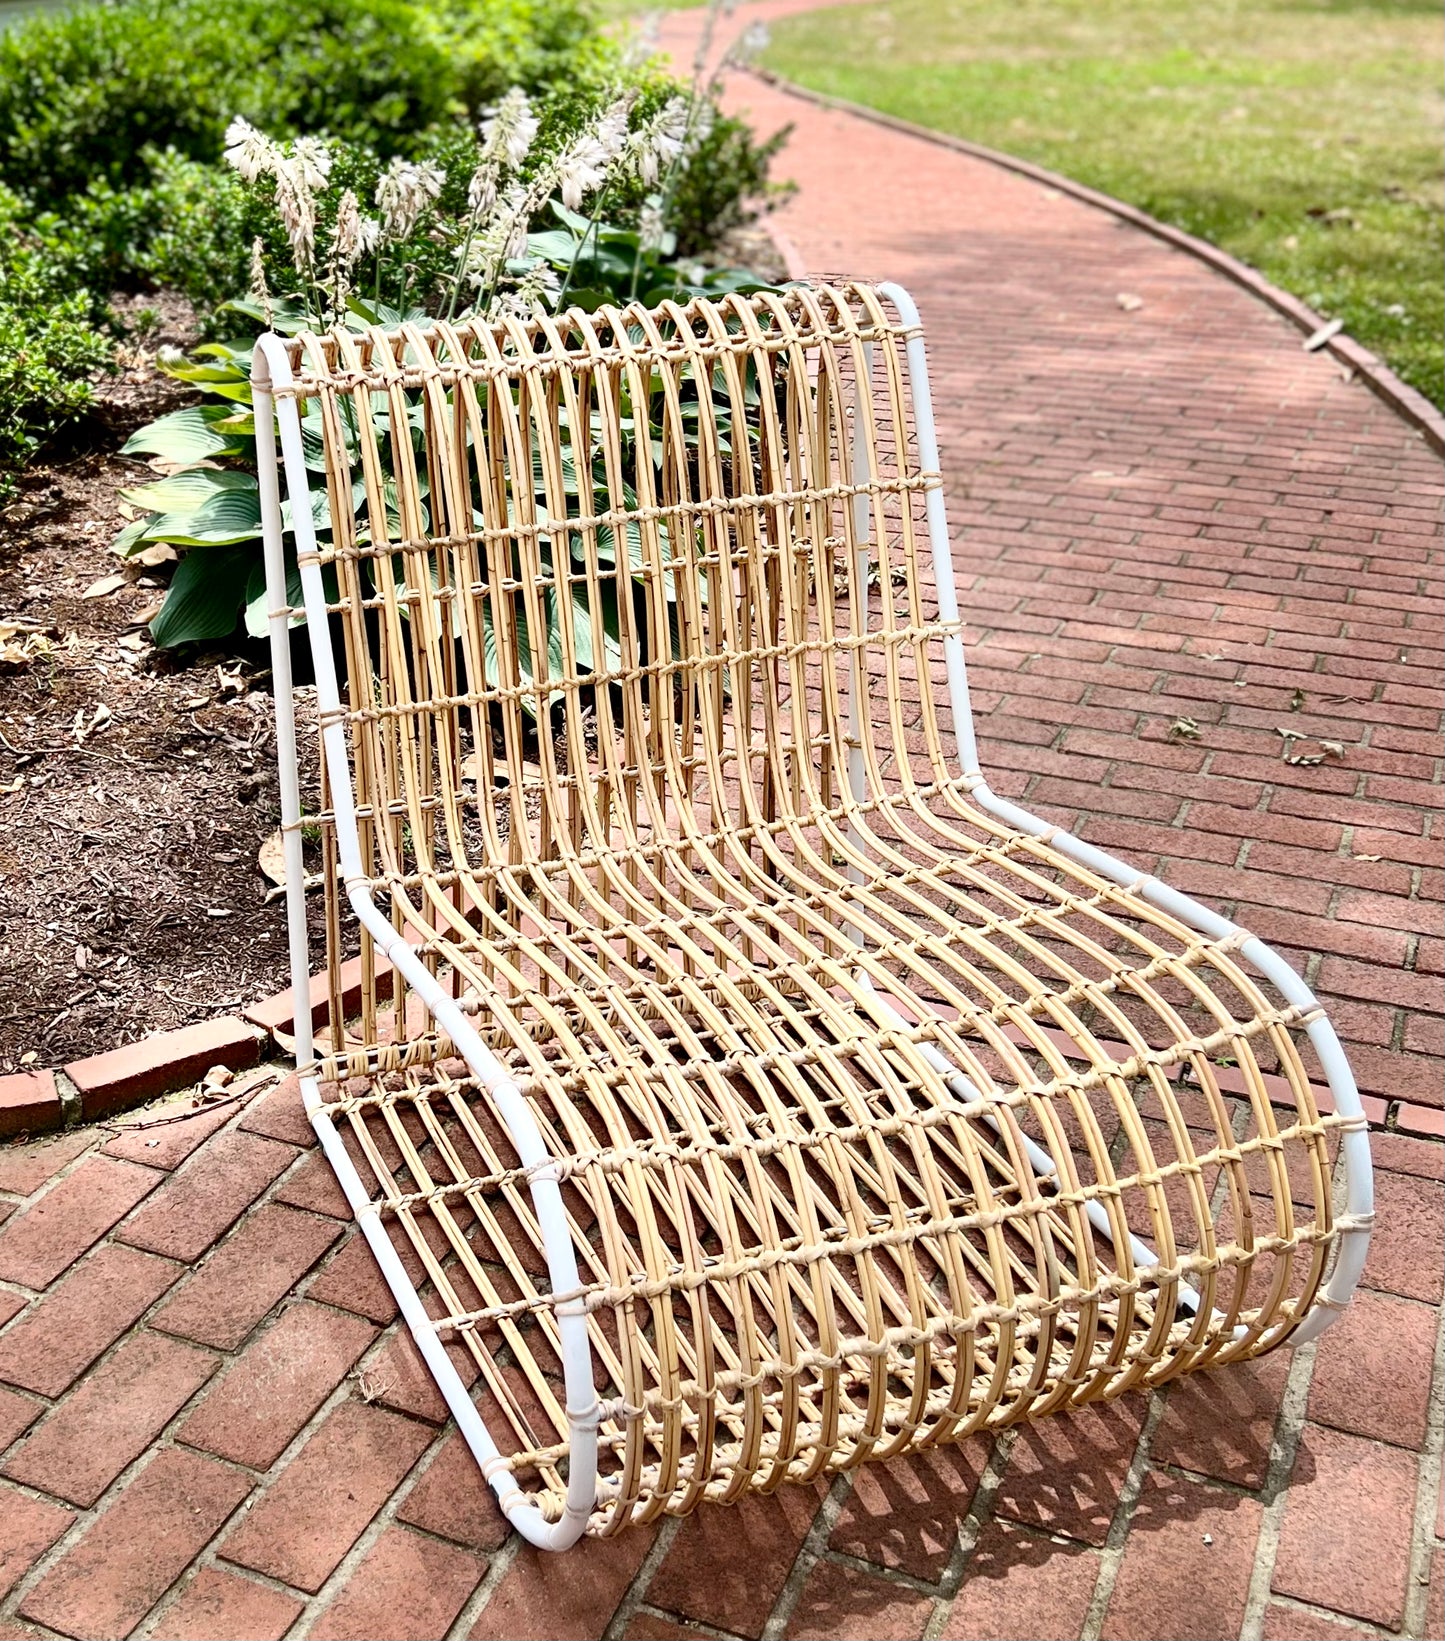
x=136, y=784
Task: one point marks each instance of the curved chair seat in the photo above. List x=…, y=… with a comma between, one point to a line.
x=740, y=1089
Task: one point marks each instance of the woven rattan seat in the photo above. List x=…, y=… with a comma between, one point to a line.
x=733, y=1086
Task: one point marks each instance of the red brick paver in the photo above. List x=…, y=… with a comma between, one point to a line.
x=226, y=1608
x=327, y=1495
x=210, y=1423
x=171, y=1059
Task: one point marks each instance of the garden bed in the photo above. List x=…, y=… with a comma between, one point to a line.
x=131, y=898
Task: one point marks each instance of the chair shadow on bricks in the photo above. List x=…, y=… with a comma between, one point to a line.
x=905, y=1514
x=1065, y=1474
x=1222, y=1425
x=844, y=1602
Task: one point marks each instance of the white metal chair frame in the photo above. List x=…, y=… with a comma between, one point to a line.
x=272, y=375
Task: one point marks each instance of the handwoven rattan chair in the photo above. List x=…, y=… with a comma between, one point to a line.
x=731, y=1085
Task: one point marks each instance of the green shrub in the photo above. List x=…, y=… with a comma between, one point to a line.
x=722, y=188
x=48, y=345
x=85, y=93
x=489, y=46
x=112, y=115
x=112, y=119
x=185, y=229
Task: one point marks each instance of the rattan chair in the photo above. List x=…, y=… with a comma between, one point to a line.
x=731, y=1085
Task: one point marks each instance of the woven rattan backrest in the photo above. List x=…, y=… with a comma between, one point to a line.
x=715, y=513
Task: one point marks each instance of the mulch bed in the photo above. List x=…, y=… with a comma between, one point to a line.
x=136, y=784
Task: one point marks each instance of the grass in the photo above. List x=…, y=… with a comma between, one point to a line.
x=1304, y=136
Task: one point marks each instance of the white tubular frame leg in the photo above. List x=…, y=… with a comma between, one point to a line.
x=1358, y=1213
x=276, y=410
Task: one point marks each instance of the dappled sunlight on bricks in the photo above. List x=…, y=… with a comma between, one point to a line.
x=839, y=1603
x=1064, y=1473
x=1221, y=1424
x=1018, y=1582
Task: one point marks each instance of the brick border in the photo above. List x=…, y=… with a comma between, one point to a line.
x=1410, y=405
x=37, y=1102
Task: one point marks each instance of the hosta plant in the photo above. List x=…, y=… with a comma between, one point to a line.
x=520, y=227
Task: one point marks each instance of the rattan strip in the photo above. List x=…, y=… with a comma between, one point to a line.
x=732, y=917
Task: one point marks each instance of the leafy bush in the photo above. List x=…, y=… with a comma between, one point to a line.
x=48, y=346
x=85, y=93
x=186, y=229
x=112, y=116
x=725, y=184
x=490, y=45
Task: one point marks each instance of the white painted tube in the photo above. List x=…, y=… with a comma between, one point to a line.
x=277, y=625
x=271, y=372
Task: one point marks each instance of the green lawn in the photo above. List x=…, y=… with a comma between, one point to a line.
x=1302, y=135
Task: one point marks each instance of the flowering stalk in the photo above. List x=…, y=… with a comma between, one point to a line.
x=697, y=125
x=298, y=176
x=258, y=291
x=404, y=191
x=345, y=251
x=577, y=171
x=507, y=130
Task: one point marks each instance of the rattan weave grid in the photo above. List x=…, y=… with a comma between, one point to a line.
x=864, y=1109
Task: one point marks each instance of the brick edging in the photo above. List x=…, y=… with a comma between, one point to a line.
x=103, y=1085
x=1411, y=406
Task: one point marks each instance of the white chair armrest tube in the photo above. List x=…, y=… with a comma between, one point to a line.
x=274, y=372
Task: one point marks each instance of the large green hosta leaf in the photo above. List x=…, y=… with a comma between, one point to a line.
x=131, y=537
x=583, y=646
x=180, y=492
x=193, y=435
x=222, y=519
x=200, y=505
x=227, y=380
x=529, y=656
x=206, y=595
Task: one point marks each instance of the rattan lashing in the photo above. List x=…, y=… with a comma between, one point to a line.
x=872, y=1110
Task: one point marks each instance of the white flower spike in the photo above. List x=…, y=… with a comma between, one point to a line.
x=249, y=151
x=404, y=192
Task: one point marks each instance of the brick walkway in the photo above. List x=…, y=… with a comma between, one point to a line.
x=210, y=1425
